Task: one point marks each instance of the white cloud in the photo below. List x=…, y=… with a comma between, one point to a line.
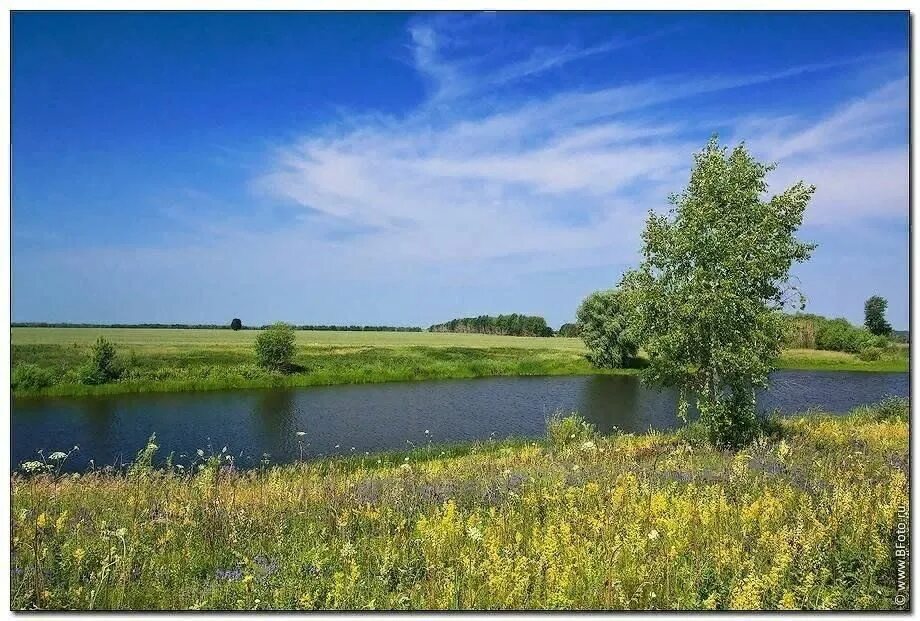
x=566, y=178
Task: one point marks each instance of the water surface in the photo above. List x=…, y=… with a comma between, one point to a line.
x=373, y=417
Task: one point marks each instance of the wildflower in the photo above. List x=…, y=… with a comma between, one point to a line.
x=57, y=456
x=588, y=445
x=32, y=466
x=427, y=432
x=79, y=554
x=576, y=468
x=61, y=521
x=653, y=535
x=474, y=533
x=301, y=433
x=200, y=453
x=42, y=520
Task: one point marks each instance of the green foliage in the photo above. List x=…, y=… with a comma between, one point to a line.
x=841, y=335
x=275, y=347
x=236, y=324
x=816, y=332
x=28, y=376
x=604, y=327
x=569, y=330
x=875, y=316
x=508, y=325
x=706, y=301
x=567, y=430
x=102, y=366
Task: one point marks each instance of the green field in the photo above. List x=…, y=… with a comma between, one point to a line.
x=801, y=519
x=180, y=360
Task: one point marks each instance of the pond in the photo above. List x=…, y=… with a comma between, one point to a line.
x=365, y=418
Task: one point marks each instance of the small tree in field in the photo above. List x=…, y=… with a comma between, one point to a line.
x=236, y=324
x=275, y=347
x=875, y=316
x=102, y=366
x=602, y=325
x=708, y=296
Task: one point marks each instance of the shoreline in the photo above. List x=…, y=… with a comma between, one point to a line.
x=301, y=380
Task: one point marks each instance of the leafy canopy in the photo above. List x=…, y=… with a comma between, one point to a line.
x=603, y=326
x=706, y=300
x=875, y=316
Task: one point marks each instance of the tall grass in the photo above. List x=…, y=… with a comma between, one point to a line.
x=802, y=519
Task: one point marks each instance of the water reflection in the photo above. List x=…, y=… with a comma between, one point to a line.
x=275, y=421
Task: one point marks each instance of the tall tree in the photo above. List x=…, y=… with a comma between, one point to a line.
x=707, y=298
x=875, y=316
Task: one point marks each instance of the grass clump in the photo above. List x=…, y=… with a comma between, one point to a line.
x=652, y=521
x=563, y=431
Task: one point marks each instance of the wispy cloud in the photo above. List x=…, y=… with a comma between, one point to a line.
x=565, y=177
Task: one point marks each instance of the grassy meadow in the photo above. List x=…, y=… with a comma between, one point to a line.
x=185, y=359
x=801, y=519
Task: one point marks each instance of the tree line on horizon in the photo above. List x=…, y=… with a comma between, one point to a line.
x=503, y=325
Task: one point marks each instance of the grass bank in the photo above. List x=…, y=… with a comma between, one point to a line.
x=802, y=519
x=167, y=360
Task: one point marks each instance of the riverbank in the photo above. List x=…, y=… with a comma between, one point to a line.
x=167, y=360
x=800, y=519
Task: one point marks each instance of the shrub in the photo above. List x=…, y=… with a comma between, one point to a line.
x=841, y=335
x=102, y=366
x=275, y=347
x=563, y=431
x=236, y=324
x=602, y=324
x=29, y=376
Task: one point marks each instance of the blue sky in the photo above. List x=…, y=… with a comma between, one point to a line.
x=404, y=168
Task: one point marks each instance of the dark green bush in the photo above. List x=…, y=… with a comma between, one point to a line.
x=102, y=366
x=568, y=329
x=275, y=347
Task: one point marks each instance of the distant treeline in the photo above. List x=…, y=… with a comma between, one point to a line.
x=506, y=325
x=209, y=326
